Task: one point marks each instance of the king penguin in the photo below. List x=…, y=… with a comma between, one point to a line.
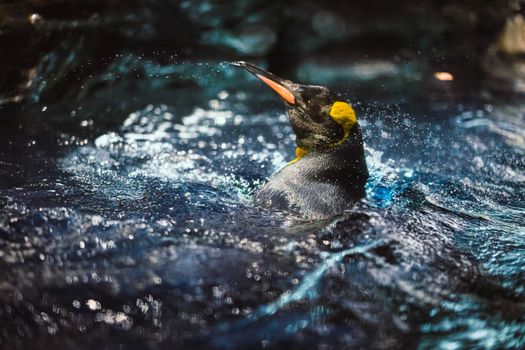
x=329, y=172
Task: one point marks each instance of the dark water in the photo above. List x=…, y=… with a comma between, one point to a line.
x=141, y=234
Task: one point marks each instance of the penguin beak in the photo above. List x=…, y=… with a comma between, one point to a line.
x=281, y=86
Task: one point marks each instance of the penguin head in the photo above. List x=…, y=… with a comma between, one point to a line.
x=318, y=117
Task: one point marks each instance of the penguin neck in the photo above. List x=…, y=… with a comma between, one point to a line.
x=352, y=142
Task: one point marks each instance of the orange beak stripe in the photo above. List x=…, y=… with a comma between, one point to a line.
x=281, y=90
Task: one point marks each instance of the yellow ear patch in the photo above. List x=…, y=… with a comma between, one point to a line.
x=344, y=115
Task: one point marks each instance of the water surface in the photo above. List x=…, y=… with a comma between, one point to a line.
x=137, y=230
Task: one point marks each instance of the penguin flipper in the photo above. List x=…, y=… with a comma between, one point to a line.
x=316, y=201
x=269, y=197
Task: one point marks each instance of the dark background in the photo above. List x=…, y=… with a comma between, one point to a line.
x=63, y=50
